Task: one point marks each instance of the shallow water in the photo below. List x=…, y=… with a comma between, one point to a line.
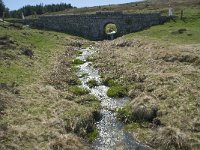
x=111, y=134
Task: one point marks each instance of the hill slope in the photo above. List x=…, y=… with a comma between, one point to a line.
x=38, y=108
x=135, y=7
x=160, y=69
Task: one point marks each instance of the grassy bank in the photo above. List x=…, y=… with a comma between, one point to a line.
x=177, y=31
x=38, y=110
x=160, y=68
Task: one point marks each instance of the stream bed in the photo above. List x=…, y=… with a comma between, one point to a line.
x=111, y=134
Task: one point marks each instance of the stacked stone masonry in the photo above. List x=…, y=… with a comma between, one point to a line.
x=91, y=26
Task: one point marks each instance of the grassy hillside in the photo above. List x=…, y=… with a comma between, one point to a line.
x=136, y=7
x=159, y=67
x=176, y=31
x=38, y=109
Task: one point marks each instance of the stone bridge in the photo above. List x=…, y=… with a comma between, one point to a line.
x=92, y=26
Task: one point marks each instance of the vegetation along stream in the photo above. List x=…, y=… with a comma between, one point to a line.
x=111, y=134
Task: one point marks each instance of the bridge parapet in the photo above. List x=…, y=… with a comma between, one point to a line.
x=92, y=26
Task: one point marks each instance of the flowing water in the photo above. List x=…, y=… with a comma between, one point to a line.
x=111, y=134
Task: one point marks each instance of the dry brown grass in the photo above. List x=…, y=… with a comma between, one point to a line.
x=168, y=72
x=43, y=113
x=170, y=138
x=67, y=142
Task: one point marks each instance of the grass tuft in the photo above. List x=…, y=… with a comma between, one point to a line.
x=79, y=90
x=170, y=138
x=109, y=82
x=92, y=83
x=78, y=62
x=116, y=91
x=92, y=135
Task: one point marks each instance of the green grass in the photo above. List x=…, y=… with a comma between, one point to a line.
x=116, y=91
x=89, y=100
x=24, y=70
x=109, y=81
x=93, y=135
x=168, y=31
x=79, y=90
x=78, y=62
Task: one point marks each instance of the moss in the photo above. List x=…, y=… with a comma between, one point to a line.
x=78, y=62
x=92, y=83
x=92, y=135
x=108, y=81
x=116, y=91
x=79, y=90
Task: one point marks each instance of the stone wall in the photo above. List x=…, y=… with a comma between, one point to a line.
x=92, y=26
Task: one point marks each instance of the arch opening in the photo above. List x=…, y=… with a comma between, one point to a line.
x=110, y=30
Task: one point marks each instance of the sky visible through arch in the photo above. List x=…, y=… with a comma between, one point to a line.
x=16, y=4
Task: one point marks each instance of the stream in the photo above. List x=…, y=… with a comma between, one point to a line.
x=111, y=134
